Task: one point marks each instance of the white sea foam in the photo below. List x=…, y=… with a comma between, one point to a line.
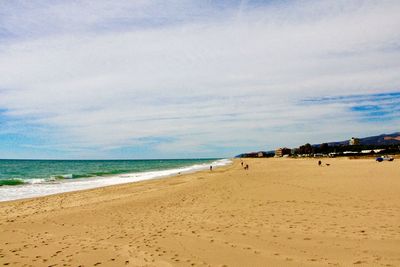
x=37, y=188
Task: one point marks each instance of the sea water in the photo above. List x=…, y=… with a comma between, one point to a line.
x=31, y=178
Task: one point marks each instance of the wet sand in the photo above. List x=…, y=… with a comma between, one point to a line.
x=281, y=212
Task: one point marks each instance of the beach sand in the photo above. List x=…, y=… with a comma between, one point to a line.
x=281, y=212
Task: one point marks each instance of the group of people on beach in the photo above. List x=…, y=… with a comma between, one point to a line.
x=245, y=166
x=320, y=163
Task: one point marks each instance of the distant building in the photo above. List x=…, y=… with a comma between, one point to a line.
x=333, y=154
x=350, y=152
x=367, y=151
x=280, y=152
x=354, y=141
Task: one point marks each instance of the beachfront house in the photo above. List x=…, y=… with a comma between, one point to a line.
x=367, y=151
x=354, y=141
x=280, y=152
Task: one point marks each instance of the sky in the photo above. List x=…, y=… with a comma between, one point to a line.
x=187, y=79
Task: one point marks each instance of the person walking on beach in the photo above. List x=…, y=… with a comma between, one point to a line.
x=211, y=168
x=319, y=163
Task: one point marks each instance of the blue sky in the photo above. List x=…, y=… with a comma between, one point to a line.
x=173, y=79
x=368, y=108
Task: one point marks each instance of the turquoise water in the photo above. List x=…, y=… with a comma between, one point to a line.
x=16, y=172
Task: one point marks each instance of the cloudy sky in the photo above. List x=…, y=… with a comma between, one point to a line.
x=173, y=79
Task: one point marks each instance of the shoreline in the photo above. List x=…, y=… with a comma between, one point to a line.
x=32, y=190
x=57, y=200
x=279, y=212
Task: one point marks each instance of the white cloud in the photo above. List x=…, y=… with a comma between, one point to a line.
x=108, y=74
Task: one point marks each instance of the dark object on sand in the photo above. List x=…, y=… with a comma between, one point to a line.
x=319, y=163
x=210, y=168
x=387, y=158
x=327, y=164
x=246, y=167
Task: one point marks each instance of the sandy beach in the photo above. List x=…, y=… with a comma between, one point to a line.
x=280, y=212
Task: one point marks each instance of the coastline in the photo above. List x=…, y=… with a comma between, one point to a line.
x=41, y=187
x=280, y=212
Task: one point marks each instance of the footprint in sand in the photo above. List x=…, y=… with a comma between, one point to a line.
x=359, y=262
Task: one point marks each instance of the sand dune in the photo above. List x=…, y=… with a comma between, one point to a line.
x=281, y=212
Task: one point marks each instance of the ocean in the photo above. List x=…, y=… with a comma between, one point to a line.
x=31, y=178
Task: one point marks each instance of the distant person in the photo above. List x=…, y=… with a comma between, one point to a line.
x=319, y=163
x=241, y=163
x=210, y=168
